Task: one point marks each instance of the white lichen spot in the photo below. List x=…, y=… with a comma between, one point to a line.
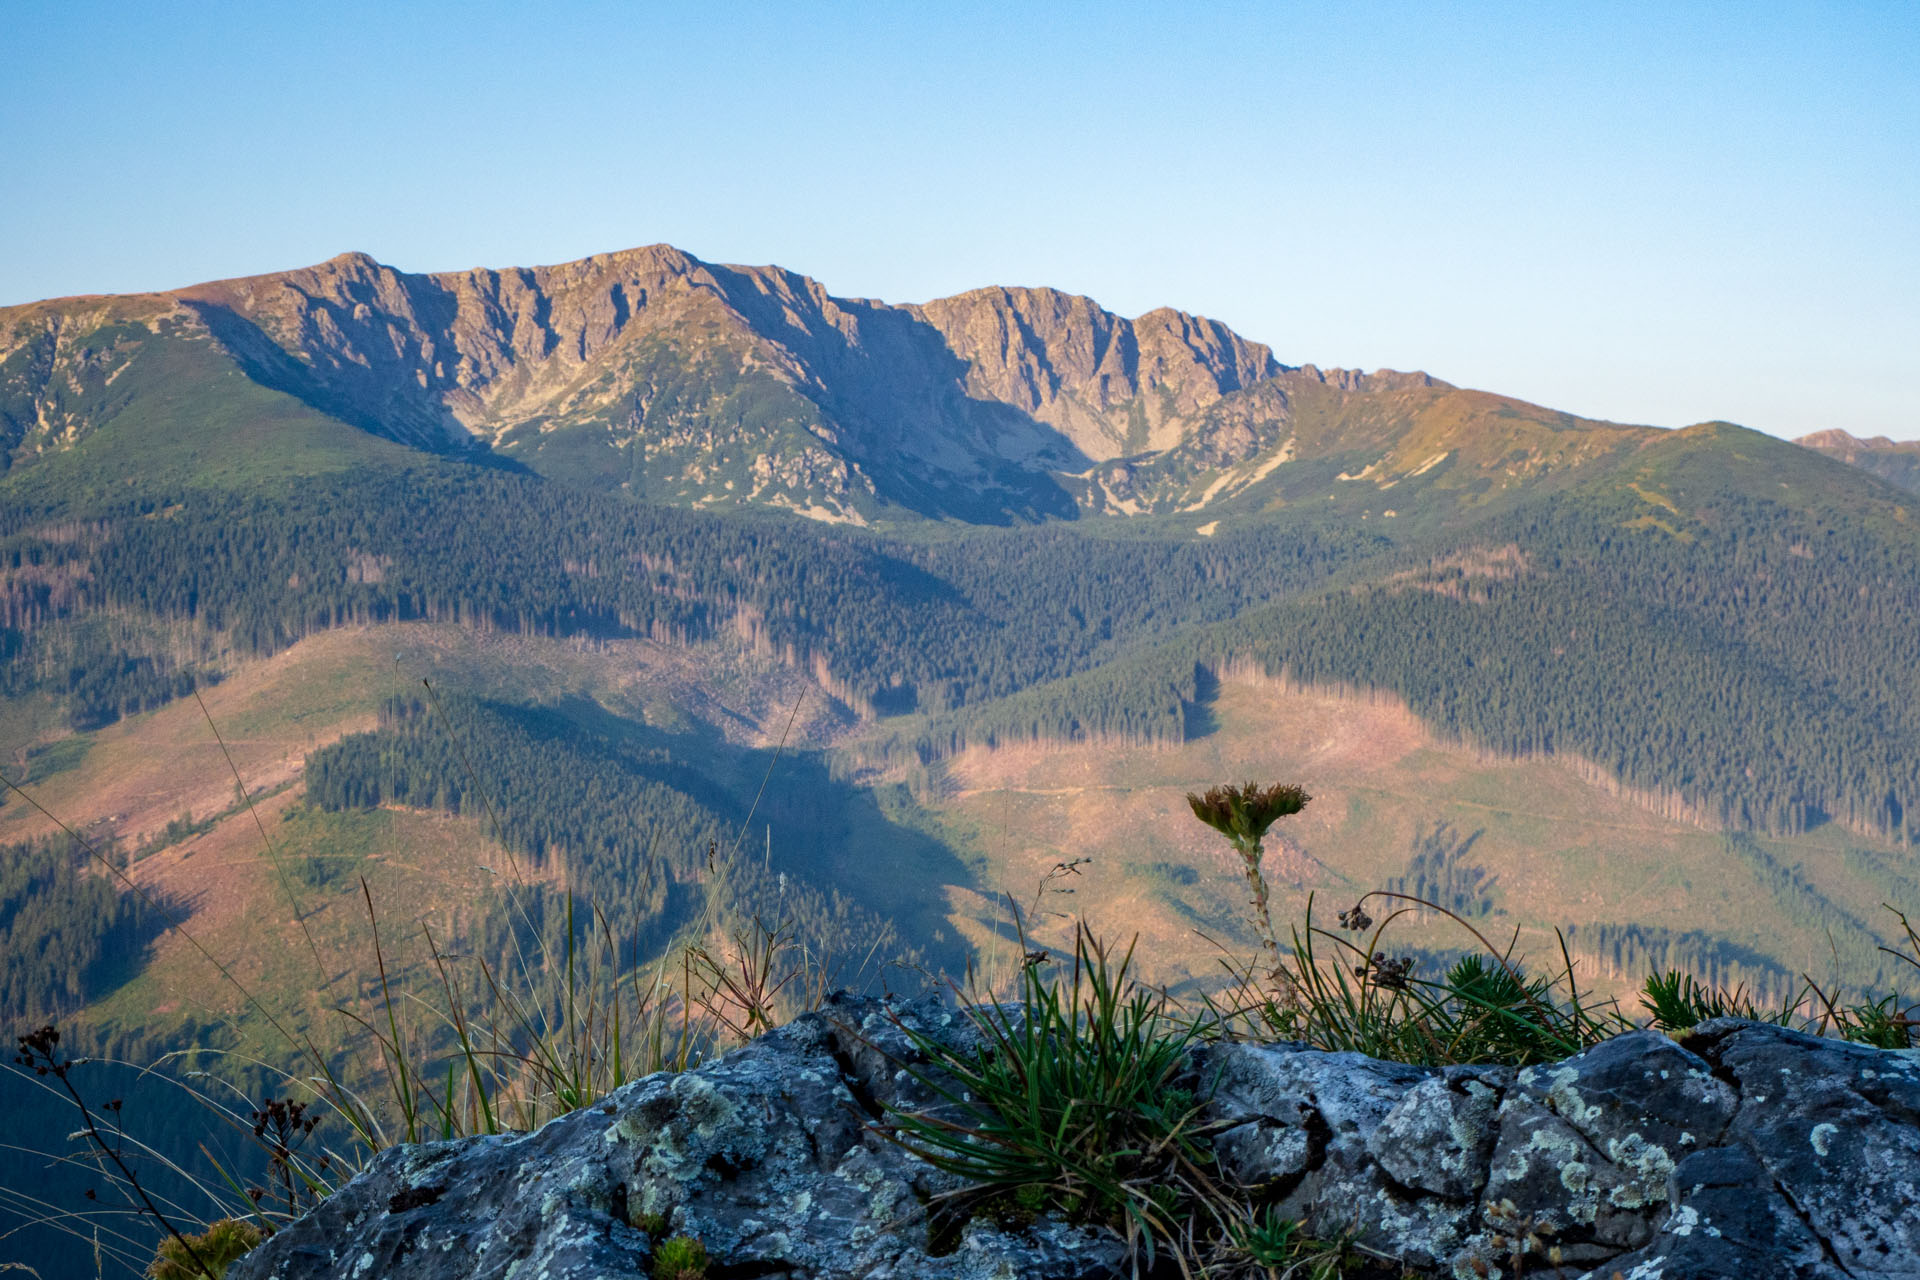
x=1822, y=1137
x=1646, y=1166
x=1566, y=1099
x=361, y=1267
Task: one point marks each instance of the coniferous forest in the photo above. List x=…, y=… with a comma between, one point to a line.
x=1757, y=666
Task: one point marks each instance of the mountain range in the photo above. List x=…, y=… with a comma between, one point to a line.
x=653, y=373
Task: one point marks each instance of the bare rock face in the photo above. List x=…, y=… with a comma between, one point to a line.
x=1743, y=1152
x=1112, y=386
x=691, y=383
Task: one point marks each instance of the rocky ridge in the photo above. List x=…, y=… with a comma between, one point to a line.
x=679, y=380
x=1740, y=1150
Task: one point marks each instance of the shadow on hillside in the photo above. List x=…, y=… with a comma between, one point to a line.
x=874, y=847
x=1198, y=718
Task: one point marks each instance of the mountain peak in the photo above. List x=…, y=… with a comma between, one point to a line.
x=1835, y=438
x=1896, y=461
x=353, y=260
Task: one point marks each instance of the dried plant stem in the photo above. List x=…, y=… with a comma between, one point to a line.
x=1251, y=853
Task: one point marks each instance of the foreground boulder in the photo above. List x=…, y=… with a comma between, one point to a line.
x=1743, y=1150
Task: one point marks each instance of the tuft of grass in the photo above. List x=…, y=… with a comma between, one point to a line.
x=1277, y=1246
x=680, y=1258
x=218, y=1247
x=1074, y=1100
x=503, y=1055
x=1677, y=1002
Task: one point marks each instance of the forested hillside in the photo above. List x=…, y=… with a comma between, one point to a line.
x=1747, y=654
x=644, y=834
x=66, y=932
x=1749, y=661
x=891, y=625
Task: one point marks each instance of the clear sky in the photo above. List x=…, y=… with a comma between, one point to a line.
x=1653, y=213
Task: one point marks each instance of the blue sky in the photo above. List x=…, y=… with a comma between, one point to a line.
x=1661, y=213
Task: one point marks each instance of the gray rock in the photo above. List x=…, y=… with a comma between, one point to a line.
x=1586, y=1145
x=1308, y=1124
x=1836, y=1126
x=1745, y=1151
x=1726, y=1220
x=1637, y=1090
x=766, y=1156
x=1439, y=1137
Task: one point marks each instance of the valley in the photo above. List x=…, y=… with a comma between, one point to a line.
x=1530, y=845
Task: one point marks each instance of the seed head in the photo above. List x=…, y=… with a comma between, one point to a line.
x=1244, y=813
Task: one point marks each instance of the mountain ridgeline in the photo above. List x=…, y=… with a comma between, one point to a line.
x=1025, y=518
x=679, y=381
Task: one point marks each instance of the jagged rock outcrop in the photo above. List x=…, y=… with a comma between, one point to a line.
x=1741, y=1151
x=1744, y=1150
x=765, y=1156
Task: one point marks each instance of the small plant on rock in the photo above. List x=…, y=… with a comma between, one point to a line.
x=1339, y=992
x=217, y=1248
x=1074, y=1100
x=680, y=1258
x=1276, y=1246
